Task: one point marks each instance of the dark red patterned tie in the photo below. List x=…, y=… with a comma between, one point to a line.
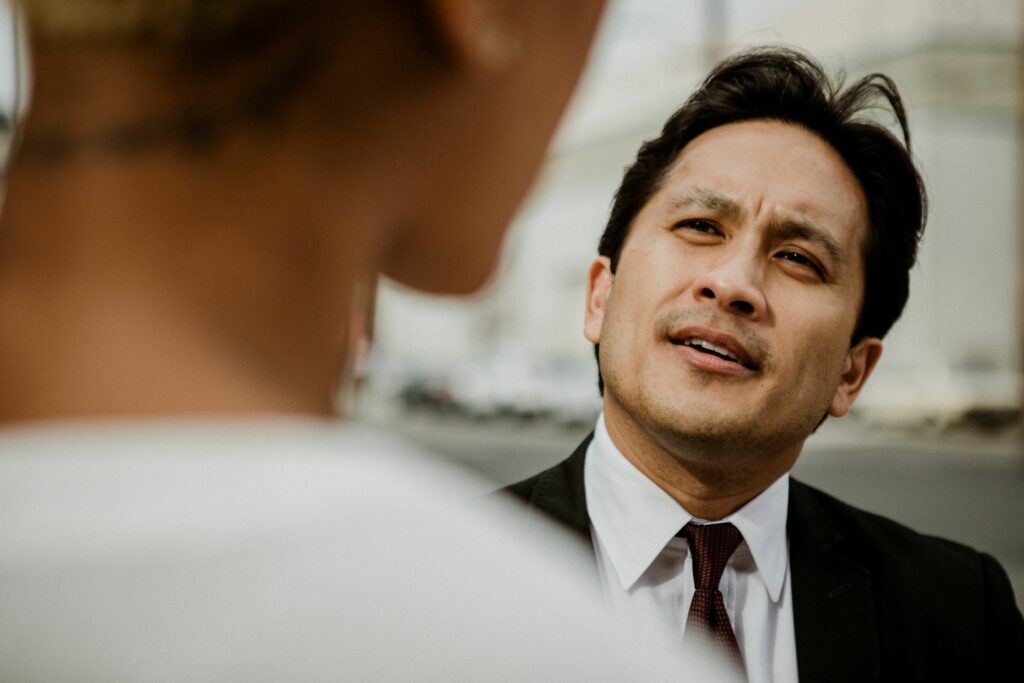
x=712, y=545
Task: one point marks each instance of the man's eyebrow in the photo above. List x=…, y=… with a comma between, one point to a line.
x=808, y=232
x=703, y=198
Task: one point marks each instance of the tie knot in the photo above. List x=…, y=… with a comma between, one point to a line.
x=712, y=545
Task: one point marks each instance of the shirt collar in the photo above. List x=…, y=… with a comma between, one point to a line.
x=762, y=522
x=635, y=519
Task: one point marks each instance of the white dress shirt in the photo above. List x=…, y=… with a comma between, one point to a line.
x=647, y=572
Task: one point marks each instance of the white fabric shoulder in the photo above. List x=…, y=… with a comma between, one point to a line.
x=284, y=552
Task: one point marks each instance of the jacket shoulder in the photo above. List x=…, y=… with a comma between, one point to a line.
x=559, y=492
x=877, y=536
x=882, y=542
x=524, y=490
x=937, y=588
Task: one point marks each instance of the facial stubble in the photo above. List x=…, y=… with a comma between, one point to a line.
x=728, y=445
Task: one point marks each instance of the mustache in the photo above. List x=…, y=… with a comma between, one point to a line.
x=756, y=346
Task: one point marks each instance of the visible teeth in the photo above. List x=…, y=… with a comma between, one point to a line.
x=711, y=347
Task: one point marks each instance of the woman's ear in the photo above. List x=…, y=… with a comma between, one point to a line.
x=480, y=35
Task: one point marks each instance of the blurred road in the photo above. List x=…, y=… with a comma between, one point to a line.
x=964, y=487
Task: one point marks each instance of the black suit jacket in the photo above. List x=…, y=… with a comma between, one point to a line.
x=872, y=599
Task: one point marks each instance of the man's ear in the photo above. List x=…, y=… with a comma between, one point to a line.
x=599, y=287
x=860, y=362
x=480, y=35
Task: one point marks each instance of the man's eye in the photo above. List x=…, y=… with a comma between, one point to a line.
x=699, y=226
x=801, y=259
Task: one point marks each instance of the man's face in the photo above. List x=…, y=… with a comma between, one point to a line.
x=729, y=317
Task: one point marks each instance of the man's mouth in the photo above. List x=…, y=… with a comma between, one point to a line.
x=708, y=347
x=715, y=345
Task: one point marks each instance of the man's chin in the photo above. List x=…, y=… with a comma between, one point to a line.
x=704, y=425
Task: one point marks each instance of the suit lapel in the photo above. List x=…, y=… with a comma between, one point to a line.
x=833, y=613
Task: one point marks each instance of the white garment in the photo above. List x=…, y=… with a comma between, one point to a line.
x=647, y=572
x=284, y=551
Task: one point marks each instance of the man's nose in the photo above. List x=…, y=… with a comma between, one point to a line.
x=733, y=284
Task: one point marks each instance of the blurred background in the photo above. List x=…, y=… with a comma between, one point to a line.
x=505, y=383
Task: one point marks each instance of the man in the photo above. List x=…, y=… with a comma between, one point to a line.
x=756, y=255
x=198, y=205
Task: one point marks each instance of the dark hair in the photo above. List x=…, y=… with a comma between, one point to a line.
x=785, y=85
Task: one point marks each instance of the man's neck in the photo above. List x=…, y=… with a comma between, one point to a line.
x=709, y=480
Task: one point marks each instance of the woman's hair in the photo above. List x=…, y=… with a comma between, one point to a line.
x=156, y=22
